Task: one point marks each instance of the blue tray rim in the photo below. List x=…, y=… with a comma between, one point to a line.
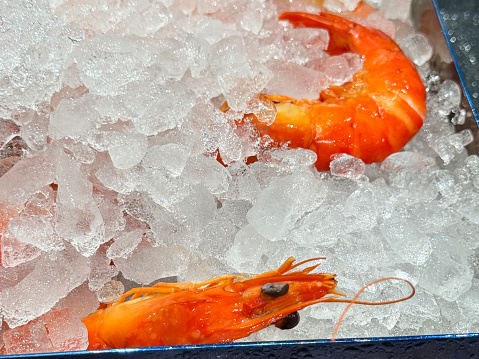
x=245, y=345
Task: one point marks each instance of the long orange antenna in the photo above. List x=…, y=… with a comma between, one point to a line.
x=355, y=301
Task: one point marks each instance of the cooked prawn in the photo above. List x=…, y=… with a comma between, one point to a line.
x=219, y=310
x=371, y=117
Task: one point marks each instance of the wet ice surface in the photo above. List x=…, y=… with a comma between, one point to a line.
x=119, y=176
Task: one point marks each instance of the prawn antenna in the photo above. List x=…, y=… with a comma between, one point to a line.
x=355, y=301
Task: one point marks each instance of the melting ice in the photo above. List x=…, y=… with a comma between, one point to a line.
x=111, y=128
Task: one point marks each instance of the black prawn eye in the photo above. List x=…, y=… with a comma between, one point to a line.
x=275, y=290
x=288, y=322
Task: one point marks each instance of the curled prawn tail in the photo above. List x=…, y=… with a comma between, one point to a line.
x=355, y=301
x=338, y=27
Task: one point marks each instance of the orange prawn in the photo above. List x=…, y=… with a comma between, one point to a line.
x=371, y=117
x=219, y=310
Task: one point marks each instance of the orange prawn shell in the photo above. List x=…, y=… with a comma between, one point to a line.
x=371, y=117
x=232, y=308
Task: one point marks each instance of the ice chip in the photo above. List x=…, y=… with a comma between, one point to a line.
x=417, y=48
x=38, y=230
x=244, y=255
x=343, y=165
x=340, y=69
x=209, y=172
x=52, y=279
x=447, y=273
x=407, y=240
x=110, y=292
x=29, y=338
x=363, y=205
x=449, y=96
x=171, y=157
x=279, y=206
x=396, y=9
x=125, y=244
x=293, y=80
x=15, y=252
x=101, y=269
x=107, y=63
x=403, y=160
x=73, y=118
x=147, y=264
x=66, y=332
x=79, y=220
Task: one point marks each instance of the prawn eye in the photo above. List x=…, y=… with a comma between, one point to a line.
x=288, y=322
x=275, y=290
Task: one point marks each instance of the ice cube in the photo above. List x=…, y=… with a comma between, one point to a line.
x=125, y=244
x=407, y=240
x=340, y=69
x=74, y=118
x=171, y=157
x=293, y=80
x=29, y=338
x=111, y=212
x=289, y=158
x=417, y=48
x=248, y=248
x=79, y=220
x=151, y=115
x=24, y=179
x=147, y=264
x=121, y=181
x=472, y=167
x=347, y=166
x=15, y=252
x=53, y=278
x=101, y=269
x=362, y=205
x=82, y=152
x=126, y=149
x=400, y=161
x=447, y=147
x=379, y=21
x=81, y=301
x=263, y=108
x=447, y=272
x=230, y=66
x=448, y=97
x=37, y=230
x=110, y=292
x=279, y=206
x=209, y=172
x=66, y=332
x=196, y=209
x=396, y=9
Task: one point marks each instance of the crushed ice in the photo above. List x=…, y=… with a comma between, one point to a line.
x=114, y=112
